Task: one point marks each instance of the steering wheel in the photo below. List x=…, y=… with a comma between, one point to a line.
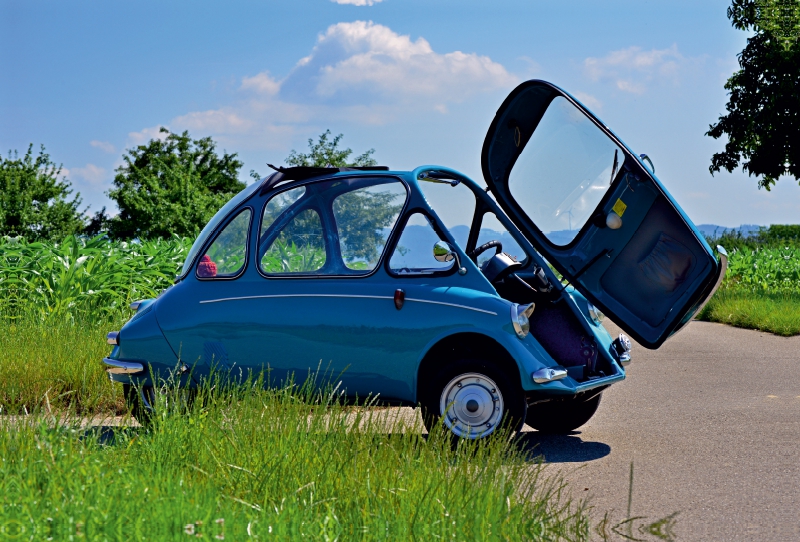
x=483, y=248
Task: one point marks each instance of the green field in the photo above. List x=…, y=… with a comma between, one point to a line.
x=761, y=289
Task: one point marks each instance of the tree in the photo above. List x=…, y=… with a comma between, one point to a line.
x=34, y=203
x=172, y=186
x=326, y=153
x=763, y=120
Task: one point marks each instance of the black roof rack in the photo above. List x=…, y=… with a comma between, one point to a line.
x=301, y=173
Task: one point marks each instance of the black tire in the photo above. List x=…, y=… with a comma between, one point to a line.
x=495, y=397
x=562, y=416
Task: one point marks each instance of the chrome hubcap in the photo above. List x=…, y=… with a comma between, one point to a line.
x=471, y=405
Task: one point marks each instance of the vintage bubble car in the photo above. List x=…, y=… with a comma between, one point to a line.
x=424, y=288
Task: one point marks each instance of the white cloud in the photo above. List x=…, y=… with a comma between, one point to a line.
x=104, y=146
x=357, y=2
x=363, y=62
x=91, y=174
x=357, y=72
x=262, y=83
x=632, y=69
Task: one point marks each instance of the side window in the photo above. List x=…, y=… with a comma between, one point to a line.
x=278, y=204
x=493, y=230
x=454, y=205
x=364, y=219
x=299, y=246
x=414, y=252
x=227, y=254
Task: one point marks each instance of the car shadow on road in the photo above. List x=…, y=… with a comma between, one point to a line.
x=569, y=448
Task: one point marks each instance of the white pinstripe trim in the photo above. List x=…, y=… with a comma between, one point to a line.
x=347, y=297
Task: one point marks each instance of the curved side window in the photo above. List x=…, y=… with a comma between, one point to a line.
x=226, y=256
x=364, y=219
x=299, y=247
x=413, y=254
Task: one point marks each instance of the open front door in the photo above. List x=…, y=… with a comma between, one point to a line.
x=596, y=213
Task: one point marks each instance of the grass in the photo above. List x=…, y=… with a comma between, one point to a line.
x=777, y=313
x=283, y=464
x=56, y=364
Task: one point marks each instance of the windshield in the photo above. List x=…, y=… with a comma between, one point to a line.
x=215, y=221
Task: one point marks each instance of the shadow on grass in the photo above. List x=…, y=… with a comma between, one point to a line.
x=569, y=448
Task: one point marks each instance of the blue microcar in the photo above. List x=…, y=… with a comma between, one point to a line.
x=479, y=304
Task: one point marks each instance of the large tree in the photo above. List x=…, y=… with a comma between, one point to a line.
x=763, y=120
x=34, y=203
x=171, y=186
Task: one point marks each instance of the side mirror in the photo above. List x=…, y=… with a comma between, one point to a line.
x=443, y=252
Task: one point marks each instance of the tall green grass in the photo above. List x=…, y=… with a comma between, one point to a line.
x=285, y=464
x=57, y=365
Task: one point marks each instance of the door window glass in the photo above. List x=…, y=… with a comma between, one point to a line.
x=364, y=219
x=299, y=246
x=564, y=171
x=493, y=230
x=454, y=205
x=227, y=254
x=414, y=252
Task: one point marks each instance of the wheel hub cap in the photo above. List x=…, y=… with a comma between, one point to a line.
x=472, y=405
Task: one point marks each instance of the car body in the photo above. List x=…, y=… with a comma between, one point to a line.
x=353, y=274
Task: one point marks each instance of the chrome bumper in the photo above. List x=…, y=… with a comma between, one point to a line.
x=115, y=366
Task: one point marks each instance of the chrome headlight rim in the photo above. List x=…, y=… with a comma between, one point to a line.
x=520, y=318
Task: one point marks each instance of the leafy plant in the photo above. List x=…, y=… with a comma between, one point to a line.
x=172, y=186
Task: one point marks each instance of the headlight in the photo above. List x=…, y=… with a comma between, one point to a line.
x=595, y=314
x=519, y=317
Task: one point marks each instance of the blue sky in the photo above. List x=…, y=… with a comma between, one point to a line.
x=418, y=80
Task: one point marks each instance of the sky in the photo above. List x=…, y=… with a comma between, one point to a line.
x=417, y=80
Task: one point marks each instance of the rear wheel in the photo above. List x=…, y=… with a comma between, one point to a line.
x=562, y=416
x=472, y=398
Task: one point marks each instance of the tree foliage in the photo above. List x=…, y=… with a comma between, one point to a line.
x=326, y=153
x=172, y=186
x=34, y=203
x=763, y=120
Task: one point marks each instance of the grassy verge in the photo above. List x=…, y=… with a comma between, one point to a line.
x=55, y=365
x=777, y=313
x=255, y=463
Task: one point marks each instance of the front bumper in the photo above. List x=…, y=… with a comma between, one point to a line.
x=116, y=366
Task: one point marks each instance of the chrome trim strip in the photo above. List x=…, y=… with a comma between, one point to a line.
x=292, y=295
x=452, y=305
x=116, y=366
x=347, y=297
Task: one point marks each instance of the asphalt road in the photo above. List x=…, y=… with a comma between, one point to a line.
x=711, y=422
